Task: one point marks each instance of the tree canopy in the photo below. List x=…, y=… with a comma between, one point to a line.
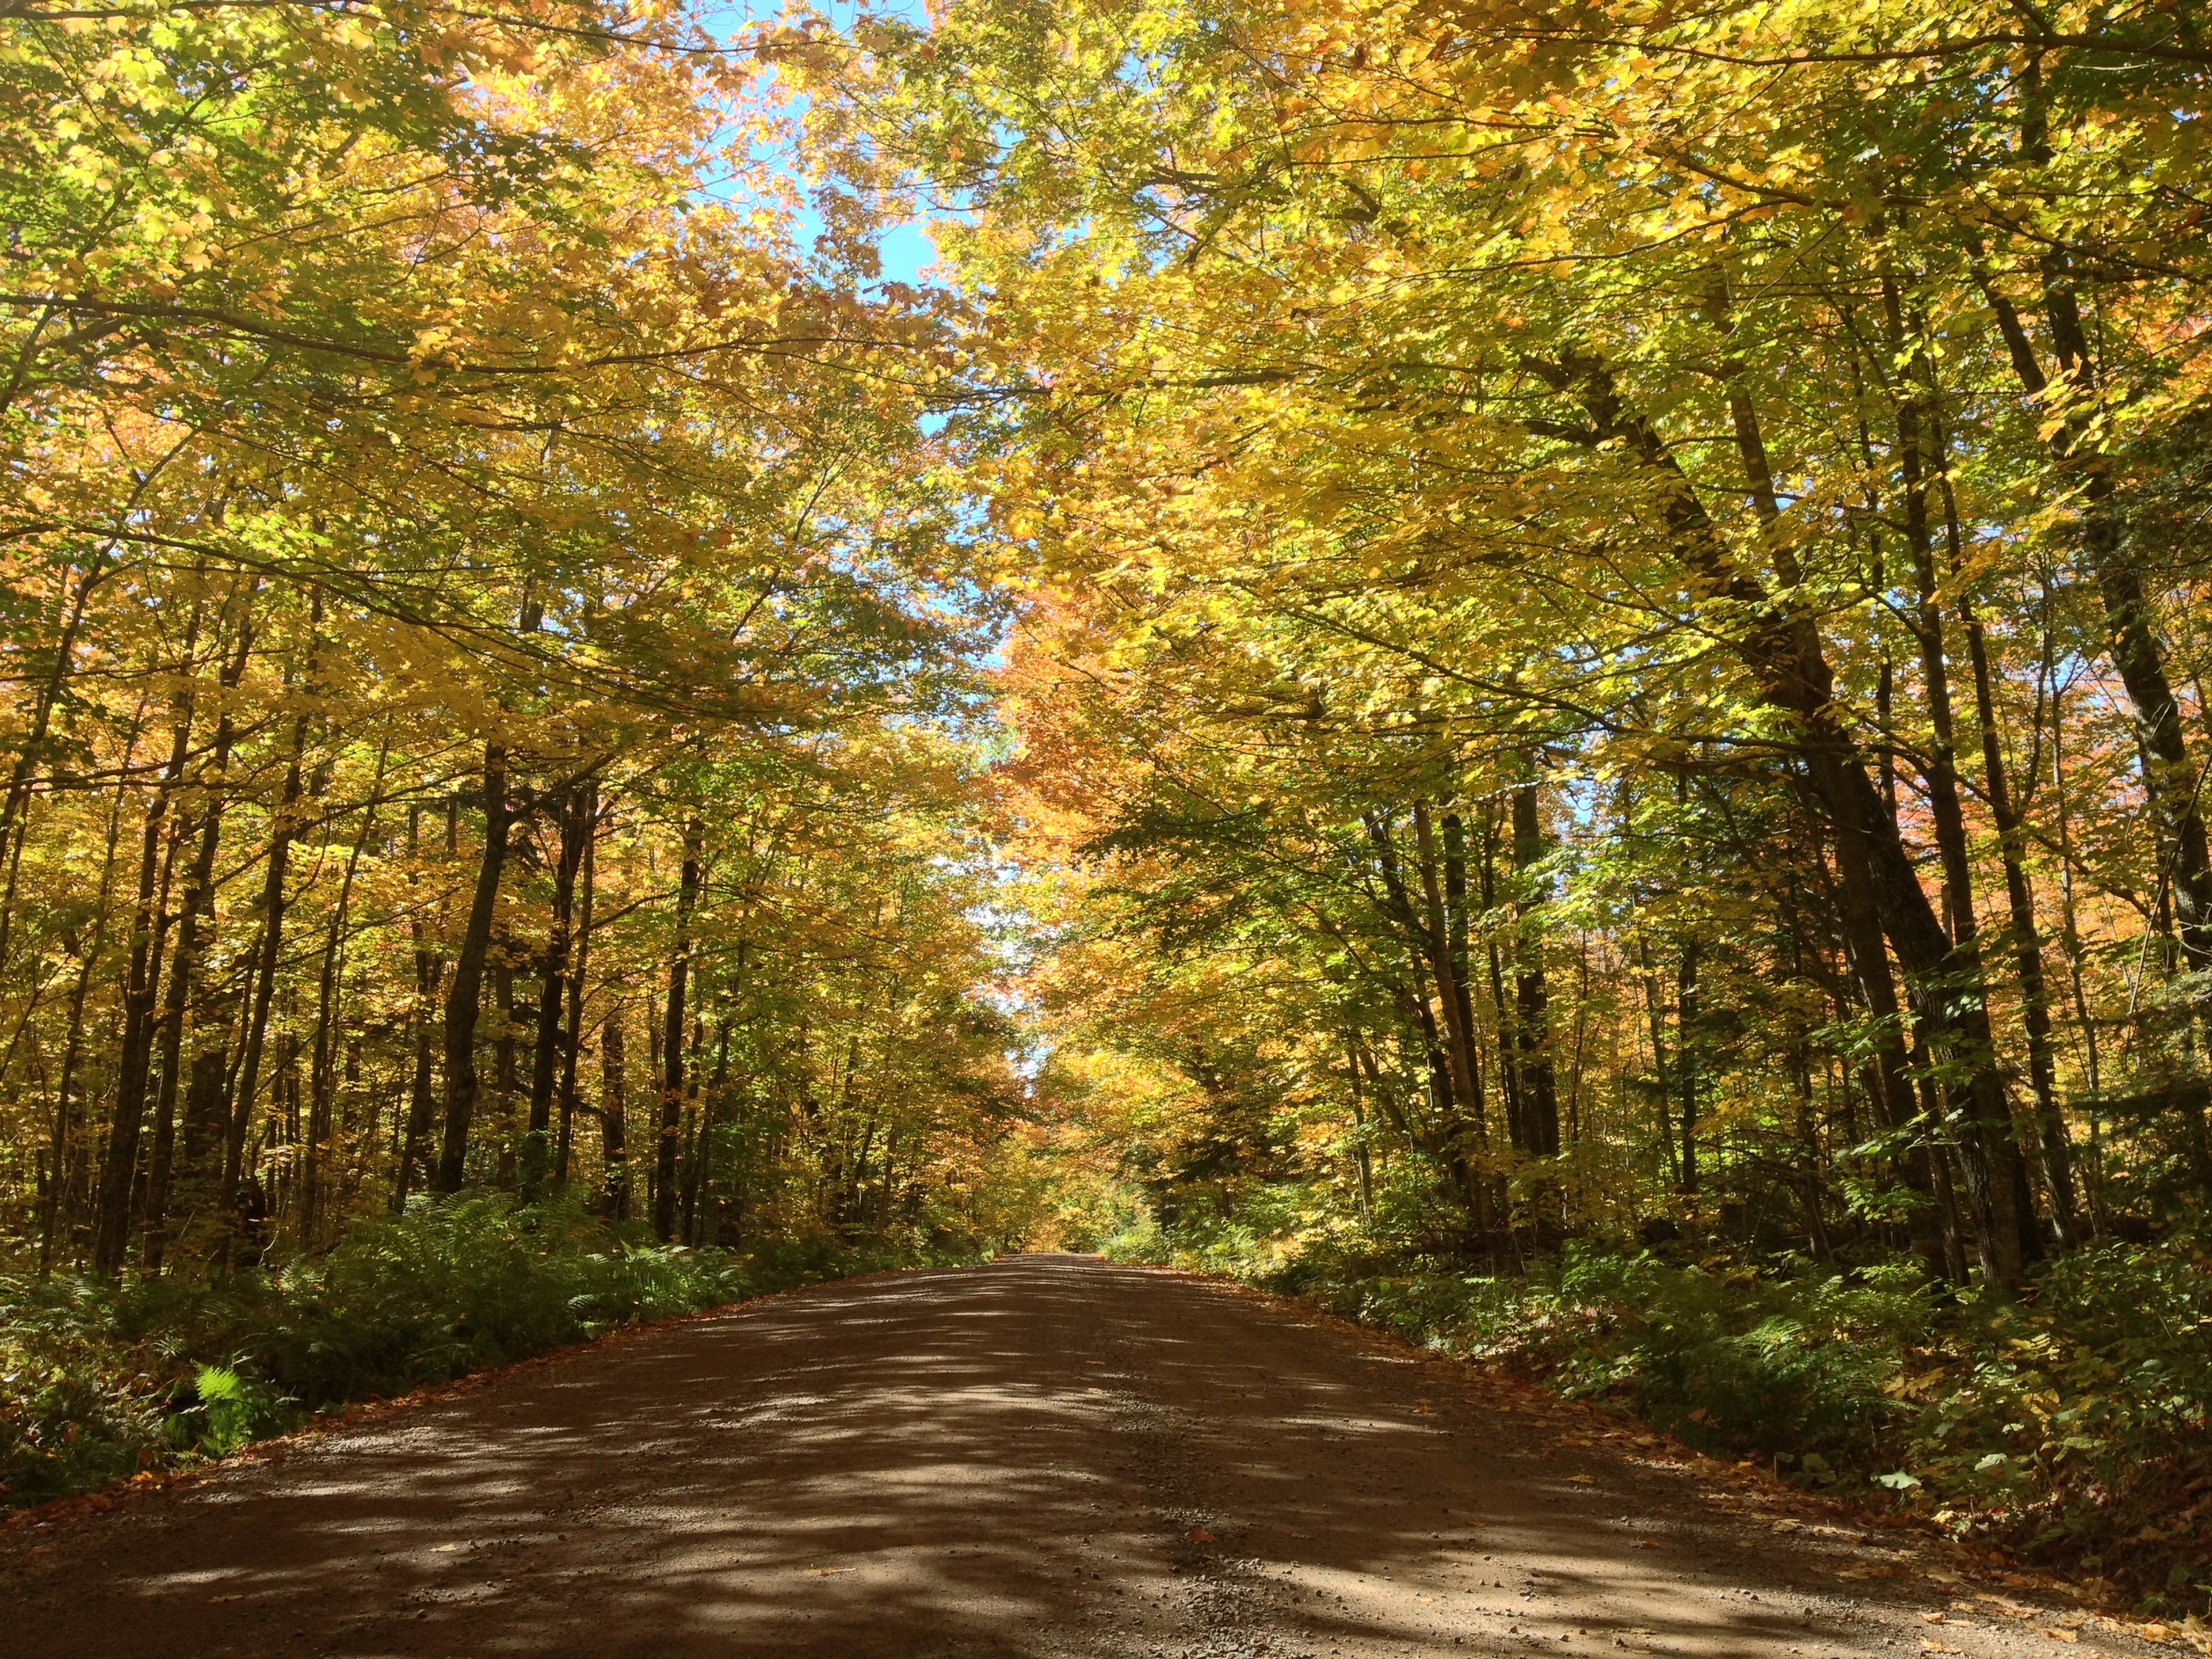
x=1449, y=636
x=481, y=604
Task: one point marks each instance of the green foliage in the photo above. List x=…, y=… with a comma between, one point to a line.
x=2063, y=1424
x=78, y=1408
x=99, y=1381
x=228, y=1410
x=1141, y=1241
x=2079, y=1418
x=1788, y=1365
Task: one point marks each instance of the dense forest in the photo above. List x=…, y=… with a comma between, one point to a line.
x=1537, y=669
x=492, y=715
x=484, y=661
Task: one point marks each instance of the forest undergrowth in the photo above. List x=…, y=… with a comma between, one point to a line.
x=101, y=1381
x=2065, y=1428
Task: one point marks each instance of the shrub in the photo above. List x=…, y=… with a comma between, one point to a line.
x=77, y=1410
x=99, y=1380
x=2073, y=1424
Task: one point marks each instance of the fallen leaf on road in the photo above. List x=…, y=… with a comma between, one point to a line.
x=2063, y=1635
x=1582, y=1480
x=1646, y=1543
x=1200, y=1535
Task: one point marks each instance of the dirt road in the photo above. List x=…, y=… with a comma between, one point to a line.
x=1048, y=1456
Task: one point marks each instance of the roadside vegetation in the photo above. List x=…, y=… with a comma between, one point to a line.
x=2066, y=1428
x=101, y=1382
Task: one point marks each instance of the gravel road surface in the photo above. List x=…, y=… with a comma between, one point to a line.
x=1047, y=1457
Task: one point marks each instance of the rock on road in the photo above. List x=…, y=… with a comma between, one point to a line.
x=1046, y=1456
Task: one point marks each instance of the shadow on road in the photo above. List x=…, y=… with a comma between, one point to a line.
x=1047, y=1457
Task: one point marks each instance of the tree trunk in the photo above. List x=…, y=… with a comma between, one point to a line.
x=2070, y=941
x=1687, y=1055
x=665, y=1190
x=15, y=805
x=1994, y=1169
x=1501, y=1009
x=552, y=995
x=1809, y=1137
x=1662, y=1090
x=1449, y=1147
x=573, y=1027
x=282, y=831
x=500, y=961
x=1457, y=929
x=464, y=997
x=72, y=1047
x=1890, y=1087
x=1362, y=1166
x=195, y=922
x=1890, y=1095
x=2027, y=942
x=322, y=1085
x=613, y=1118
x=422, y=1105
x=653, y=1034
x=1782, y=652
x=1539, y=1094
x=699, y=1188
x=1450, y=992
x=2131, y=624
x=134, y=1065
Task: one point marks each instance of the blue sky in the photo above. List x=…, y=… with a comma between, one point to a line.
x=905, y=250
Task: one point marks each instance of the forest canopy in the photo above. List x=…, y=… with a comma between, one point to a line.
x=1610, y=687
x=1512, y=664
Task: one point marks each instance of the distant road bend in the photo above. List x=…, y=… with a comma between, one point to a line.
x=1046, y=1456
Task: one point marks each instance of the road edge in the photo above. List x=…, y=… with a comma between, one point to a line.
x=150, y=1482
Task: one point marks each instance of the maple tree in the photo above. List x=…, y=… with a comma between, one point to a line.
x=1606, y=641
x=480, y=604
x=1608, y=702
x=1623, y=567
